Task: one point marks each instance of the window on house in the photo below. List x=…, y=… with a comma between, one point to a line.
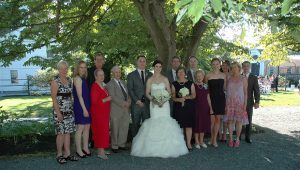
x=271, y=71
x=289, y=70
x=14, y=76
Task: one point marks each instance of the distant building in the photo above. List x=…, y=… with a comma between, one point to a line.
x=13, y=78
x=262, y=68
x=258, y=68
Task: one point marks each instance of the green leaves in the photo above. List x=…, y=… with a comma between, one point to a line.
x=192, y=8
x=286, y=6
x=217, y=5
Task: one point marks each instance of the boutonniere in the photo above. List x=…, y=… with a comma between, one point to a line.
x=205, y=86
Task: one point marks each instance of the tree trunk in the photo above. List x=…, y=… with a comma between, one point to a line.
x=163, y=31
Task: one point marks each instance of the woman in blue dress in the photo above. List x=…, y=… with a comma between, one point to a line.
x=81, y=109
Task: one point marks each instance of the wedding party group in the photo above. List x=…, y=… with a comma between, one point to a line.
x=168, y=113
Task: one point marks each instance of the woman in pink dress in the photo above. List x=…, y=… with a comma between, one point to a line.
x=236, y=102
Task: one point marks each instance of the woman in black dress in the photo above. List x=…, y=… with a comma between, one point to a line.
x=216, y=84
x=183, y=107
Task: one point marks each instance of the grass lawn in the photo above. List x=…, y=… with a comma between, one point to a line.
x=28, y=106
x=41, y=106
x=282, y=98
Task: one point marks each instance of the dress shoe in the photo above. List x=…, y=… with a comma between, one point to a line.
x=197, y=146
x=115, y=150
x=124, y=148
x=248, y=140
x=203, y=145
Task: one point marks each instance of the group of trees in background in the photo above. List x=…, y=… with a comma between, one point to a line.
x=123, y=29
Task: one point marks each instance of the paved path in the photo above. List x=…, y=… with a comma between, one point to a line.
x=277, y=148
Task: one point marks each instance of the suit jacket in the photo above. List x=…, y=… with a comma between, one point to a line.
x=253, y=90
x=117, y=96
x=189, y=75
x=170, y=77
x=136, y=88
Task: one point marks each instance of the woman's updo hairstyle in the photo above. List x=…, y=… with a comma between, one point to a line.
x=157, y=62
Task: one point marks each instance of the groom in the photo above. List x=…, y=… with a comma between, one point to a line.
x=136, y=82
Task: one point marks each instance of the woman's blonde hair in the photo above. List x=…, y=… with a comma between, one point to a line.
x=200, y=71
x=235, y=63
x=76, y=69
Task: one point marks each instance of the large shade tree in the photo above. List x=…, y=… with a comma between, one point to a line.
x=121, y=28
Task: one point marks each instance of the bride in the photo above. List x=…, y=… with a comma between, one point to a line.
x=160, y=135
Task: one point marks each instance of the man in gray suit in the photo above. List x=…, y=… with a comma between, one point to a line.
x=171, y=75
x=119, y=110
x=253, y=97
x=136, y=82
x=193, y=67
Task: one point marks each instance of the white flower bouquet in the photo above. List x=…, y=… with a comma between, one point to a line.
x=161, y=96
x=183, y=92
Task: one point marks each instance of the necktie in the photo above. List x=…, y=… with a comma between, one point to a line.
x=193, y=73
x=123, y=91
x=174, y=76
x=143, y=77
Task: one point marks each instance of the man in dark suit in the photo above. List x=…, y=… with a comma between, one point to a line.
x=171, y=75
x=253, y=97
x=193, y=67
x=99, y=61
x=136, y=82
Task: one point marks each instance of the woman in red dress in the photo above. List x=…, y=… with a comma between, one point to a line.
x=100, y=109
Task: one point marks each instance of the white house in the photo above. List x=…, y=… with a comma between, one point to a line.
x=13, y=79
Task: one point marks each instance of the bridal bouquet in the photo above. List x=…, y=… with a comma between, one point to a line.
x=183, y=92
x=161, y=96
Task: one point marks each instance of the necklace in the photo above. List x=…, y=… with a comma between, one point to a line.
x=200, y=86
x=181, y=83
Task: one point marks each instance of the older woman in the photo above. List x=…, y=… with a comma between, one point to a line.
x=202, y=116
x=236, y=103
x=81, y=109
x=183, y=107
x=100, y=110
x=61, y=94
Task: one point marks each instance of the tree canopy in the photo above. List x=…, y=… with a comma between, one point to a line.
x=123, y=29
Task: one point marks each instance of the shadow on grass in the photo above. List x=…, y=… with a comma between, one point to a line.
x=266, y=99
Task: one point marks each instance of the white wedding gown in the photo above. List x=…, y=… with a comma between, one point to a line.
x=160, y=135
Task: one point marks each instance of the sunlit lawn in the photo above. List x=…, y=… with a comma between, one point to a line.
x=282, y=98
x=28, y=106
x=41, y=106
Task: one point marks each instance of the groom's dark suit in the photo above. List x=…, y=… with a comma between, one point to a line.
x=253, y=97
x=136, y=90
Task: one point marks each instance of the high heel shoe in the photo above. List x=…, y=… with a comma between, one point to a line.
x=80, y=156
x=237, y=144
x=87, y=154
x=104, y=157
